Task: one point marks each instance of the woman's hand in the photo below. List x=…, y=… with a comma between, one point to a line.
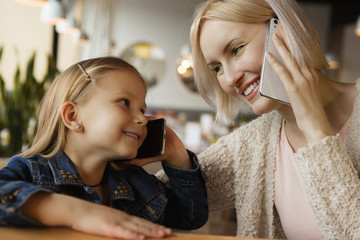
x=54, y=209
x=175, y=153
x=302, y=84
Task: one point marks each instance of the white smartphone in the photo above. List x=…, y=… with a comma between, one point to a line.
x=270, y=83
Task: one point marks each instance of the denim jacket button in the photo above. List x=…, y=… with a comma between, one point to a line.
x=8, y=198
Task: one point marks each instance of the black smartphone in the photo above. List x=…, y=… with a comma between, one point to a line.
x=154, y=143
x=271, y=85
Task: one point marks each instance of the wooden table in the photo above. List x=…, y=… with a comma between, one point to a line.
x=68, y=234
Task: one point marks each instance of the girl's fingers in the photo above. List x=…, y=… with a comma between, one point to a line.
x=147, y=228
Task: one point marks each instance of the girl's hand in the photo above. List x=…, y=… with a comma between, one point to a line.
x=302, y=84
x=175, y=153
x=54, y=209
x=109, y=222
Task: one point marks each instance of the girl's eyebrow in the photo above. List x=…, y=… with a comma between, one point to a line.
x=121, y=93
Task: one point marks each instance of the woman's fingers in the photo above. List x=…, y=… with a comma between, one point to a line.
x=302, y=86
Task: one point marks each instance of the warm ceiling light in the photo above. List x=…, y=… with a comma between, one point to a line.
x=52, y=12
x=67, y=26
x=332, y=61
x=357, y=27
x=79, y=37
x=34, y=3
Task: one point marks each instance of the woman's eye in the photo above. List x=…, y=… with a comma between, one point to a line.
x=217, y=68
x=236, y=50
x=125, y=102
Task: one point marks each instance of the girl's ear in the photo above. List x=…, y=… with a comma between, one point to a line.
x=70, y=116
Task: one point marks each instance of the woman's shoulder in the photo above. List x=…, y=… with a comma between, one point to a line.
x=262, y=130
x=258, y=126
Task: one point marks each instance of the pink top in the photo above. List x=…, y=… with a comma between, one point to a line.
x=296, y=215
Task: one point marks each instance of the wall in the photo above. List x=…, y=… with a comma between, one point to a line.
x=165, y=23
x=350, y=55
x=162, y=22
x=22, y=29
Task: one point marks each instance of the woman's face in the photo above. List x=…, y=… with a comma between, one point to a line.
x=234, y=51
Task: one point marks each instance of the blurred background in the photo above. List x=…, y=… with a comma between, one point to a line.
x=39, y=39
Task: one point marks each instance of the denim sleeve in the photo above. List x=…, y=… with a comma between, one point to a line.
x=15, y=189
x=187, y=207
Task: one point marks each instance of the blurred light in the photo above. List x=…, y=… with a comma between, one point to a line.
x=186, y=63
x=66, y=26
x=357, y=27
x=79, y=37
x=142, y=50
x=52, y=12
x=32, y=3
x=332, y=61
x=181, y=70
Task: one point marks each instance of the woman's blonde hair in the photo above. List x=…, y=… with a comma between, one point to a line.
x=70, y=85
x=304, y=42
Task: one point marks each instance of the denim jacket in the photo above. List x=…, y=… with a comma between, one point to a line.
x=131, y=189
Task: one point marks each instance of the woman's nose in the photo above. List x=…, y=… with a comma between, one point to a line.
x=232, y=76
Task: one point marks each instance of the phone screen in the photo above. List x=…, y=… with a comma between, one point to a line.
x=270, y=83
x=154, y=143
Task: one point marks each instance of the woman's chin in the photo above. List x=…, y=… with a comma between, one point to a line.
x=262, y=105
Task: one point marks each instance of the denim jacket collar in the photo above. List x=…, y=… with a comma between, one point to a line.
x=65, y=173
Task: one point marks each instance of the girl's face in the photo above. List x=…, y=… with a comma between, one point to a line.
x=234, y=51
x=113, y=118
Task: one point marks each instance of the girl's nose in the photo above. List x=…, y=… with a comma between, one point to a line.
x=141, y=119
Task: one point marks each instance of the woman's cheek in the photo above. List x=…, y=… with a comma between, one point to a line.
x=226, y=88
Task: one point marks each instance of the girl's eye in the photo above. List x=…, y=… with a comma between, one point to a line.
x=236, y=50
x=125, y=102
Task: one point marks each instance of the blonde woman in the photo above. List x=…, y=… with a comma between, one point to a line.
x=293, y=172
x=91, y=118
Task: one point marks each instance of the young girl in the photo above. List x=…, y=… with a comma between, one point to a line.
x=92, y=115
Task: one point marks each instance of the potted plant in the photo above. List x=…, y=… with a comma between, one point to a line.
x=19, y=105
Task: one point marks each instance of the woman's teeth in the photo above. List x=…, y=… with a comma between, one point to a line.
x=251, y=87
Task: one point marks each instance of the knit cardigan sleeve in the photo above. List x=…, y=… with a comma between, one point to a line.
x=333, y=188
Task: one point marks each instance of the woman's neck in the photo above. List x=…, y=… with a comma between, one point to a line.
x=338, y=100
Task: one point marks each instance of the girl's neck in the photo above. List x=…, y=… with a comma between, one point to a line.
x=90, y=167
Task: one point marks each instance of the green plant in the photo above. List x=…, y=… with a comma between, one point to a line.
x=20, y=104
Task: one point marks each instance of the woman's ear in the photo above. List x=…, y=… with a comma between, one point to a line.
x=70, y=116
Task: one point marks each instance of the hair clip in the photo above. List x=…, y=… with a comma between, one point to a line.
x=86, y=74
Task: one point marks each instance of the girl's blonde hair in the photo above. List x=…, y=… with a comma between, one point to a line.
x=70, y=85
x=304, y=42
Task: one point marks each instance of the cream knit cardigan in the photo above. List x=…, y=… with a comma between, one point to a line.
x=241, y=166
